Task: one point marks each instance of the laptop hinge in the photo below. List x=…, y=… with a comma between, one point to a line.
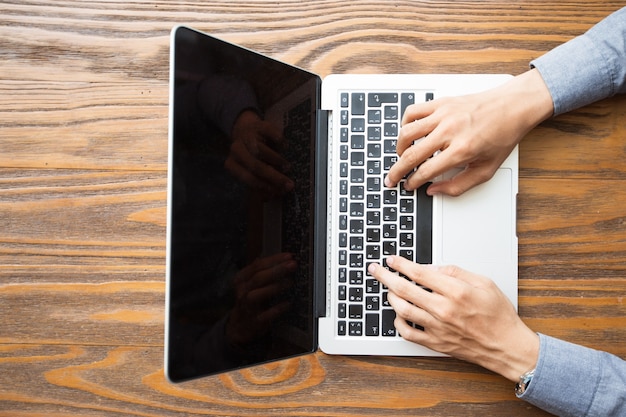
x=321, y=207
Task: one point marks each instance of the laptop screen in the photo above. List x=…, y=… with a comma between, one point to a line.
x=240, y=258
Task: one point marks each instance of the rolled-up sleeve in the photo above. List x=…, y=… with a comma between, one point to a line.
x=589, y=67
x=572, y=380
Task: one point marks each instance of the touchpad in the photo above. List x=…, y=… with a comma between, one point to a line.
x=479, y=225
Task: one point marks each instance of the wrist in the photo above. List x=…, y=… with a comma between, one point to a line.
x=517, y=353
x=527, y=99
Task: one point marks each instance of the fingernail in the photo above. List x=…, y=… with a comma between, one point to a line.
x=372, y=268
x=388, y=182
x=390, y=260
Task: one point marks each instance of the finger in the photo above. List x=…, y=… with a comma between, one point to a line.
x=408, y=311
x=463, y=181
x=401, y=287
x=256, y=172
x=410, y=333
x=272, y=134
x=418, y=111
x=412, y=157
x=413, y=131
x=432, y=168
x=273, y=158
x=428, y=276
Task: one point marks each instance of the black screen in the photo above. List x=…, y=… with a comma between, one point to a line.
x=240, y=258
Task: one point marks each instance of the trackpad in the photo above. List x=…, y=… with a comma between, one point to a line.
x=479, y=226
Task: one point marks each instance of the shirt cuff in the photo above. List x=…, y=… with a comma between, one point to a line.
x=563, y=377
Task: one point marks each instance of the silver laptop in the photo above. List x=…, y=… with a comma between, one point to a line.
x=276, y=206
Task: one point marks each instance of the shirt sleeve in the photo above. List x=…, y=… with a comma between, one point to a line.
x=572, y=380
x=589, y=67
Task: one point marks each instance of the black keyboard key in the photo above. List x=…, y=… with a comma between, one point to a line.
x=373, y=150
x=343, y=152
x=345, y=117
x=357, y=125
x=341, y=311
x=372, y=286
x=406, y=206
x=373, y=218
x=357, y=159
x=342, y=292
x=357, y=175
x=374, y=184
x=343, y=240
x=373, y=167
x=390, y=231
x=357, y=209
x=372, y=303
x=343, y=169
x=390, y=214
x=406, y=222
x=358, y=104
x=372, y=252
x=356, y=243
x=389, y=247
x=374, y=116
x=343, y=205
x=355, y=328
x=424, y=227
x=343, y=257
x=357, y=142
x=406, y=99
x=387, y=326
x=374, y=133
x=356, y=226
x=372, y=328
x=357, y=192
x=388, y=161
x=341, y=328
x=373, y=235
x=406, y=240
x=390, y=146
x=355, y=295
x=377, y=99
x=356, y=261
x=429, y=97
x=343, y=275
x=355, y=311
x=343, y=187
x=356, y=277
x=373, y=201
x=390, y=130
x=391, y=112
x=407, y=254
x=390, y=197
x=343, y=134
x=343, y=99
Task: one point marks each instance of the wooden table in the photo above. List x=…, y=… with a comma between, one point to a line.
x=83, y=159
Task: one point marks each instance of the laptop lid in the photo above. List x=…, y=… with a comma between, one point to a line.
x=240, y=287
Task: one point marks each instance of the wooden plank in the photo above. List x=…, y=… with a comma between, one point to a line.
x=101, y=380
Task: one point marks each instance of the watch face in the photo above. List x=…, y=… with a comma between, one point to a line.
x=524, y=382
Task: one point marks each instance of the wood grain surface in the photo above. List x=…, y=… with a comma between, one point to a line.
x=83, y=165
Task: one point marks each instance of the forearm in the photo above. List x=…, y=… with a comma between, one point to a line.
x=589, y=67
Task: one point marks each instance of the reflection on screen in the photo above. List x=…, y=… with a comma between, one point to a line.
x=240, y=277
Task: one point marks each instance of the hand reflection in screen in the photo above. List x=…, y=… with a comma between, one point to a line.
x=260, y=290
x=254, y=157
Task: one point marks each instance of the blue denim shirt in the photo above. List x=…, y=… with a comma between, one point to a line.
x=572, y=380
x=587, y=68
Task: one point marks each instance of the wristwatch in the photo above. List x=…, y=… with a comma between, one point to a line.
x=524, y=382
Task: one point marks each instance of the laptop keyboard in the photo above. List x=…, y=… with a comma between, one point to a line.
x=374, y=221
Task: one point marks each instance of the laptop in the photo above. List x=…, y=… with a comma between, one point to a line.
x=276, y=206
